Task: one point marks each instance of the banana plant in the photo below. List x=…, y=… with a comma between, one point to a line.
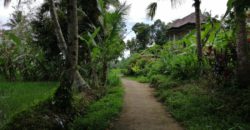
x=111, y=25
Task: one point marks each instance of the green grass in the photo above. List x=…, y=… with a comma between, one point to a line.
x=18, y=96
x=141, y=79
x=199, y=109
x=100, y=114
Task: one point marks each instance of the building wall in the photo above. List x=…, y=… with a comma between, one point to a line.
x=179, y=33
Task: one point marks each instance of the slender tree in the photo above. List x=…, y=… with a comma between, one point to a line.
x=152, y=10
x=63, y=95
x=243, y=48
x=198, y=29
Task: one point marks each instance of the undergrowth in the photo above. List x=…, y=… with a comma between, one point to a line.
x=200, y=108
x=87, y=113
x=101, y=113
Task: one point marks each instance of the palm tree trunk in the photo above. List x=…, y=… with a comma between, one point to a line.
x=198, y=30
x=63, y=95
x=58, y=31
x=243, y=69
x=79, y=81
x=104, y=72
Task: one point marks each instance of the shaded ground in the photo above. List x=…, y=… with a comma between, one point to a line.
x=141, y=111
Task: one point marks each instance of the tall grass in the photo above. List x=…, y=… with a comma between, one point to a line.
x=18, y=96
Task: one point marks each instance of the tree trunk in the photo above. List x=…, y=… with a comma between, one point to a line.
x=58, y=31
x=104, y=72
x=79, y=81
x=63, y=95
x=243, y=69
x=198, y=30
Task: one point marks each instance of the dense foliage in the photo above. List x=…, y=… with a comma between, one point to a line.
x=202, y=76
x=32, y=50
x=199, y=96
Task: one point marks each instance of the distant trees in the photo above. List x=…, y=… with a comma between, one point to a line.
x=147, y=35
x=159, y=32
x=142, y=32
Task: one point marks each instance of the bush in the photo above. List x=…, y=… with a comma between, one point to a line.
x=182, y=66
x=162, y=81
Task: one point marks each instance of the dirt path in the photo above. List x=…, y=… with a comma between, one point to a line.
x=141, y=111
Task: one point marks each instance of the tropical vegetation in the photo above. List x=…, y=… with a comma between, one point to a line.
x=61, y=66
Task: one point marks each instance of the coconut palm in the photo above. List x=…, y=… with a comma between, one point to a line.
x=17, y=18
x=151, y=9
x=243, y=53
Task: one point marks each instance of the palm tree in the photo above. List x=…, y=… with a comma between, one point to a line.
x=17, y=18
x=63, y=94
x=151, y=13
x=243, y=53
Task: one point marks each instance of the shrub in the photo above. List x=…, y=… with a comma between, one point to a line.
x=143, y=79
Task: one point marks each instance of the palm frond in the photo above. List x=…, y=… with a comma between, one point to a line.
x=151, y=9
x=114, y=3
x=6, y=2
x=175, y=3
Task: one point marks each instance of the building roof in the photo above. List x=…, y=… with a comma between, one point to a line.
x=190, y=19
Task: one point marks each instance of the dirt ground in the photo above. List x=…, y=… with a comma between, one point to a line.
x=141, y=111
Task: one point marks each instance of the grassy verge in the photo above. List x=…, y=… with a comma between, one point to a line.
x=18, y=96
x=100, y=114
x=200, y=108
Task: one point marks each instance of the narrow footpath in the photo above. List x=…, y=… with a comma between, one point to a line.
x=141, y=110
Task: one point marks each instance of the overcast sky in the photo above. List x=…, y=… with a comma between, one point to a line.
x=137, y=12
